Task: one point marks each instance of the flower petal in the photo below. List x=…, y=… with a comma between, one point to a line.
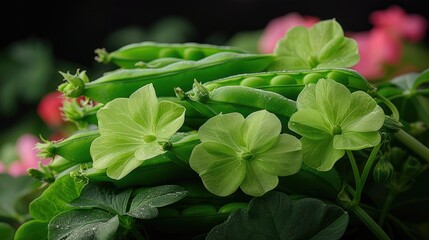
x=223, y=128
x=260, y=130
x=122, y=167
x=143, y=105
x=364, y=114
x=356, y=140
x=148, y=150
x=310, y=123
x=283, y=158
x=115, y=118
x=320, y=154
x=307, y=98
x=221, y=170
x=108, y=149
x=333, y=99
x=257, y=181
x=170, y=118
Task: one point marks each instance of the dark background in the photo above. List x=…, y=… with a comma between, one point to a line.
x=76, y=28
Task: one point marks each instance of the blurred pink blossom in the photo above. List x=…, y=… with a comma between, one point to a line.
x=27, y=156
x=49, y=109
x=396, y=21
x=376, y=49
x=277, y=28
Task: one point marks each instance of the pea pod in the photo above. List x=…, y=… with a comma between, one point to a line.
x=74, y=148
x=129, y=55
x=291, y=83
x=244, y=100
x=158, y=63
x=152, y=172
x=123, y=83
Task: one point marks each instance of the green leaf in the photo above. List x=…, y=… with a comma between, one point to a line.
x=83, y=224
x=6, y=231
x=103, y=197
x=321, y=46
x=145, y=203
x=32, y=230
x=275, y=216
x=13, y=190
x=131, y=129
x=56, y=198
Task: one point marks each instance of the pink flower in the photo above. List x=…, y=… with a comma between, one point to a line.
x=376, y=49
x=397, y=22
x=27, y=155
x=277, y=28
x=49, y=109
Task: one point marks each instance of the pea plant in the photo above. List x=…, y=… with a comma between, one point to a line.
x=196, y=141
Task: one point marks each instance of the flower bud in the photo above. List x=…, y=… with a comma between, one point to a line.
x=383, y=170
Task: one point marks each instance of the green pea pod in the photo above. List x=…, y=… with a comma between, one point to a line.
x=244, y=100
x=74, y=148
x=122, y=83
x=312, y=183
x=152, y=172
x=291, y=83
x=129, y=55
x=158, y=63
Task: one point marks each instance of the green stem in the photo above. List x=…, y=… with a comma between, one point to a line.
x=356, y=174
x=369, y=222
x=390, y=105
x=368, y=166
x=386, y=206
x=413, y=144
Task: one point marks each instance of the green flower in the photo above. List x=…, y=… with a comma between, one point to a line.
x=331, y=120
x=247, y=153
x=131, y=131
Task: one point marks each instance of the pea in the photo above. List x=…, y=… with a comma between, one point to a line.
x=282, y=80
x=169, y=52
x=198, y=210
x=253, y=82
x=339, y=77
x=193, y=54
x=312, y=78
x=231, y=207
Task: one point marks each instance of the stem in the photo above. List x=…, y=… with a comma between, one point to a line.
x=355, y=169
x=369, y=222
x=390, y=105
x=386, y=207
x=413, y=144
x=369, y=164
